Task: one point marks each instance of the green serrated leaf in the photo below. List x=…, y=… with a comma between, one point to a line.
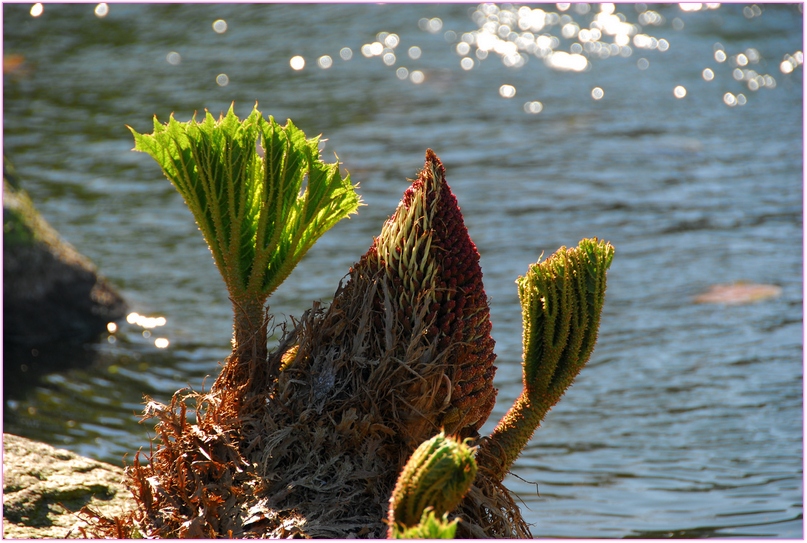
x=256, y=216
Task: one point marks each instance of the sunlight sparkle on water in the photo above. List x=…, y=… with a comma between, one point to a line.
x=731, y=100
x=708, y=74
x=325, y=62
x=507, y=91
x=791, y=62
x=297, y=63
x=433, y=25
x=679, y=92
x=597, y=93
x=417, y=77
x=37, y=9
x=173, y=58
x=222, y=80
x=101, y=10
x=346, y=53
x=220, y=26
x=563, y=61
x=392, y=41
x=144, y=321
x=533, y=107
x=161, y=342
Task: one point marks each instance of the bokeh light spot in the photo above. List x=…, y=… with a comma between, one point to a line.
x=720, y=55
x=222, y=80
x=507, y=91
x=729, y=99
x=346, y=53
x=101, y=10
x=144, y=321
x=37, y=9
x=173, y=58
x=417, y=77
x=679, y=91
x=533, y=107
x=325, y=62
x=220, y=26
x=708, y=74
x=392, y=41
x=415, y=52
x=597, y=93
x=376, y=48
x=467, y=63
x=297, y=62
x=161, y=342
x=402, y=73
x=643, y=63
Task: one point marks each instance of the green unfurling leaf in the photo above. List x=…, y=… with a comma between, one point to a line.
x=430, y=527
x=435, y=478
x=561, y=301
x=259, y=214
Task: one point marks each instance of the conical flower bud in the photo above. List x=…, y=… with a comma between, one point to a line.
x=432, y=268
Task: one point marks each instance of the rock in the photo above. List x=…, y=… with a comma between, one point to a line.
x=50, y=292
x=44, y=487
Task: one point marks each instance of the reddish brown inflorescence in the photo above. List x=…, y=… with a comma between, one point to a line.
x=429, y=258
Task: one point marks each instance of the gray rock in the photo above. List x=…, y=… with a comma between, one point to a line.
x=44, y=487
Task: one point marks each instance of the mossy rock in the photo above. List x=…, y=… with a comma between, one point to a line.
x=44, y=488
x=50, y=291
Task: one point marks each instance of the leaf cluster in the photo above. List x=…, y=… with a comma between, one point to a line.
x=429, y=527
x=259, y=192
x=561, y=301
x=437, y=476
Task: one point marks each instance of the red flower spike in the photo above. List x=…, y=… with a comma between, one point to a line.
x=424, y=249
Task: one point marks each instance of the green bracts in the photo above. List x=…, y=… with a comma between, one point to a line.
x=432, y=483
x=561, y=302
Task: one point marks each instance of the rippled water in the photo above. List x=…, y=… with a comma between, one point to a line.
x=687, y=422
